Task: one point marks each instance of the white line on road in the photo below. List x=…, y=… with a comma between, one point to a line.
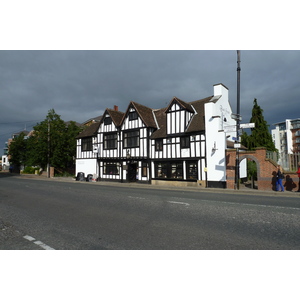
x=140, y=198
x=29, y=238
x=182, y=203
x=39, y=243
x=250, y=204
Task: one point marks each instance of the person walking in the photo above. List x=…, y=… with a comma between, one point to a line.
x=298, y=172
x=279, y=178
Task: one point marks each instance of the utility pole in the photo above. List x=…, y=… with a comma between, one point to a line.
x=48, y=154
x=238, y=119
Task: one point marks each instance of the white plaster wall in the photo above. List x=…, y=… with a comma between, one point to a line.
x=87, y=166
x=217, y=117
x=289, y=138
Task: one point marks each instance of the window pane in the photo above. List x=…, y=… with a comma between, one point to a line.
x=192, y=170
x=131, y=139
x=86, y=144
x=111, y=169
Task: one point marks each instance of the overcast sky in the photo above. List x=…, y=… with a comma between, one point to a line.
x=79, y=85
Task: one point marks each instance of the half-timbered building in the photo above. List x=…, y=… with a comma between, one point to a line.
x=183, y=143
x=189, y=145
x=137, y=126
x=86, y=150
x=109, y=145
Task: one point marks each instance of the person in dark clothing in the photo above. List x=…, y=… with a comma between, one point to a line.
x=279, y=177
x=298, y=172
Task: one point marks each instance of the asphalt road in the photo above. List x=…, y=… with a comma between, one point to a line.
x=52, y=214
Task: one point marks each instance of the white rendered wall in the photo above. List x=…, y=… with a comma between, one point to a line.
x=87, y=166
x=217, y=117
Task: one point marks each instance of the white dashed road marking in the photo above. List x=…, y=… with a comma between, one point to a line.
x=175, y=202
x=39, y=243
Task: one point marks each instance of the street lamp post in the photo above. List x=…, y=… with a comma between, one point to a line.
x=238, y=119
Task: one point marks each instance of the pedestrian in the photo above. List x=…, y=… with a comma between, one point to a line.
x=298, y=172
x=279, y=177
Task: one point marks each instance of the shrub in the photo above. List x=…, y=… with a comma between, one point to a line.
x=30, y=170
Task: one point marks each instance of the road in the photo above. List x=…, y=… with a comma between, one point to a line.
x=48, y=214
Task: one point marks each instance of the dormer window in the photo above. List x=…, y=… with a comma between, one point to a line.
x=133, y=116
x=107, y=121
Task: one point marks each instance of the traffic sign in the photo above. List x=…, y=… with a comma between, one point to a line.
x=247, y=125
x=230, y=128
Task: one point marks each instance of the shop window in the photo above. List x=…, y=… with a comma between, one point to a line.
x=111, y=168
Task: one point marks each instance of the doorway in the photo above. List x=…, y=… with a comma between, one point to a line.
x=132, y=171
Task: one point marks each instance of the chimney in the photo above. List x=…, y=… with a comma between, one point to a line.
x=116, y=108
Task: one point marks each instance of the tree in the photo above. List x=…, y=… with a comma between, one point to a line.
x=53, y=140
x=260, y=135
x=17, y=150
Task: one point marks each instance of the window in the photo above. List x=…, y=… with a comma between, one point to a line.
x=192, y=170
x=111, y=168
x=131, y=139
x=185, y=142
x=86, y=144
x=161, y=170
x=176, y=171
x=169, y=170
x=107, y=121
x=159, y=145
x=110, y=141
x=133, y=116
x=144, y=169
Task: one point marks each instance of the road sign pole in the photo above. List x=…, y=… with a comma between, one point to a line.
x=237, y=168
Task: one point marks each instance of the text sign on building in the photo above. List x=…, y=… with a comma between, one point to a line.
x=247, y=125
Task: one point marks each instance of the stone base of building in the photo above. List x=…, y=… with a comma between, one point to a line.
x=199, y=183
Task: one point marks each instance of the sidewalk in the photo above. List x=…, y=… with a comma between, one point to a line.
x=242, y=191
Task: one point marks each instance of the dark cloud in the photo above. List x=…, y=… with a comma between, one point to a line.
x=80, y=84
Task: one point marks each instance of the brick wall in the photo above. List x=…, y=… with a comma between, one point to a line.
x=266, y=170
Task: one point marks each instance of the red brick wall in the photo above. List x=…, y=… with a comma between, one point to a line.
x=266, y=170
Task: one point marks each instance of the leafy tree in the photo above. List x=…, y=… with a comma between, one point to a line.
x=54, y=138
x=17, y=150
x=260, y=135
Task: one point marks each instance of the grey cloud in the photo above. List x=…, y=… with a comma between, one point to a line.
x=80, y=84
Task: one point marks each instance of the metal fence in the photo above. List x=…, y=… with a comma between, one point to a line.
x=289, y=162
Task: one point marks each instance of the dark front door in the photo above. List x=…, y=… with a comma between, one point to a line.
x=132, y=169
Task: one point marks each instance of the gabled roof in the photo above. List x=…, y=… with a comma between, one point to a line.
x=144, y=112
x=115, y=115
x=197, y=122
x=90, y=131
x=181, y=103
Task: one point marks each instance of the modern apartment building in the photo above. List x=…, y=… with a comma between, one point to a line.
x=286, y=137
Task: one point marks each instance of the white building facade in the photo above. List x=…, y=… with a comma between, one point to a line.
x=286, y=137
